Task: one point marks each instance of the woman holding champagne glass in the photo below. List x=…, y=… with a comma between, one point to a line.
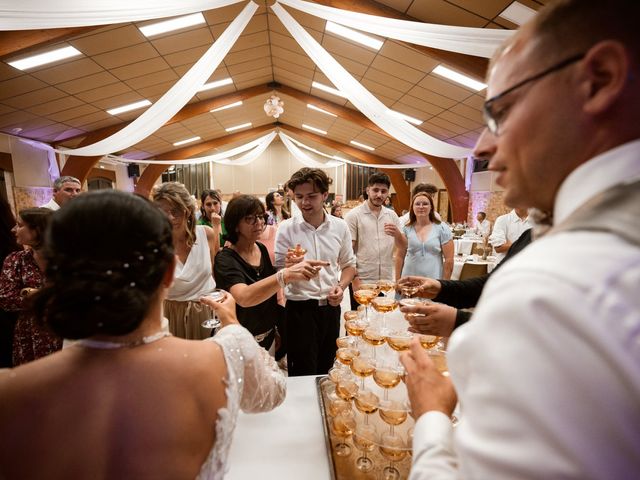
x=195, y=248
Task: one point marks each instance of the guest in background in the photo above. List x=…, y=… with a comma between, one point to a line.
x=507, y=229
x=336, y=209
x=430, y=190
x=276, y=211
x=195, y=247
x=64, y=189
x=483, y=226
x=211, y=212
x=244, y=269
x=428, y=250
x=8, y=244
x=23, y=274
x=127, y=400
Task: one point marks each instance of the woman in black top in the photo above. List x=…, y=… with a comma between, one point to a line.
x=245, y=270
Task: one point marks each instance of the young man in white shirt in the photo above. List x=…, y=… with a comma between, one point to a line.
x=507, y=230
x=547, y=372
x=375, y=231
x=64, y=189
x=483, y=226
x=313, y=308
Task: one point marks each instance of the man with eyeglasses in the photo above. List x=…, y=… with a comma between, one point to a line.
x=313, y=307
x=548, y=369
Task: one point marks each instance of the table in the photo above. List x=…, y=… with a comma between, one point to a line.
x=465, y=245
x=460, y=261
x=286, y=443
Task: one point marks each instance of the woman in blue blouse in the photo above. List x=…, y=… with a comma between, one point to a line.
x=429, y=251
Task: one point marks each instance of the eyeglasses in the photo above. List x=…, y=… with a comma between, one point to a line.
x=252, y=219
x=493, y=116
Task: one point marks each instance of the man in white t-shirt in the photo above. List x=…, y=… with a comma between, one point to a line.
x=313, y=307
x=507, y=230
x=64, y=189
x=483, y=226
x=375, y=231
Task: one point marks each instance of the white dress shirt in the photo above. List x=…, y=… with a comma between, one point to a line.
x=548, y=370
x=483, y=228
x=51, y=205
x=507, y=228
x=374, y=248
x=330, y=242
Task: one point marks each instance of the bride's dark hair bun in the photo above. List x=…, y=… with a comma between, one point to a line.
x=107, y=253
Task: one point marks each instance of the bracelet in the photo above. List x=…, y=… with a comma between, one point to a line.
x=280, y=278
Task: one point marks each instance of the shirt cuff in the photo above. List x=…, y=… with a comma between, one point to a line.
x=431, y=429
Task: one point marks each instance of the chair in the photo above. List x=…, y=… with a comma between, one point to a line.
x=470, y=270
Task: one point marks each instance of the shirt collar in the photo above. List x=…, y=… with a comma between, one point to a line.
x=619, y=165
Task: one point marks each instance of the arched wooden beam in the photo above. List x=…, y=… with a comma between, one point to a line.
x=397, y=180
x=80, y=167
x=445, y=167
x=153, y=171
x=474, y=66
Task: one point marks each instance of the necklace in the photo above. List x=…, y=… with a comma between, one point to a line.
x=104, y=345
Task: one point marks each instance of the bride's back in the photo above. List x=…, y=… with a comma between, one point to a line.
x=142, y=412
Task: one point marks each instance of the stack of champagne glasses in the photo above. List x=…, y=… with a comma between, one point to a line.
x=369, y=415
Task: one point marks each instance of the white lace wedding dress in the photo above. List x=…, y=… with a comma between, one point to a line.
x=254, y=384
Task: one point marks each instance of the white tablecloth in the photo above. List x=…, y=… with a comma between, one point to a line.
x=464, y=245
x=460, y=261
x=287, y=443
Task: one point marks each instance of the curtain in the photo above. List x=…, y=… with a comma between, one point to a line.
x=302, y=157
x=364, y=101
x=481, y=42
x=171, y=102
x=41, y=14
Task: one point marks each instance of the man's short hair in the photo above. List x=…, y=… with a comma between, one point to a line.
x=427, y=188
x=379, y=177
x=577, y=25
x=484, y=215
x=316, y=176
x=58, y=182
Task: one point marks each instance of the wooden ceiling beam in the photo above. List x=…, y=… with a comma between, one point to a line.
x=17, y=42
x=468, y=64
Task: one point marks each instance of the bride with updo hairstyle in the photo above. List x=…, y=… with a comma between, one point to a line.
x=126, y=399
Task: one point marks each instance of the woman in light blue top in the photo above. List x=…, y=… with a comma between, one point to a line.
x=429, y=251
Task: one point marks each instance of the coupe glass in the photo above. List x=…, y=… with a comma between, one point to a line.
x=217, y=295
x=364, y=294
x=343, y=426
x=394, y=449
x=384, y=305
x=365, y=438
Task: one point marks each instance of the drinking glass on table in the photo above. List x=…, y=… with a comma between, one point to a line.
x=364, y=294
x=384, y=305
x=217, y=295
x=394, y=449
x=365, y=438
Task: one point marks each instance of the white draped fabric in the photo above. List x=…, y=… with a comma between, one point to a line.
x=364, y=100
x=216, y=157
x=302, y=157
x=481, y=42
x=171, y=102
x=399, y=166
x=37, y=14
x=252, y=155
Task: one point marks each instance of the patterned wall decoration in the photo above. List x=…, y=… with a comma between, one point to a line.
x=27, y=197
x=489, y=202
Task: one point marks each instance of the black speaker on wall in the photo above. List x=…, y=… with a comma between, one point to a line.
x=133, y=170
x=410, y=175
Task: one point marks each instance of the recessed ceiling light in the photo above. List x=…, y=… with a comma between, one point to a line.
x=225, y=107
x=409, y=119
x=127, y=108
x=354, y=35
x=459, y=78
x=44, y=58
x=518, y=13
x=173, y=24
x=362, y=145
x=328, y=89
x=216, y=84
x=318, y=109
x=188, y=140
x=238, y=127
x=314, y=129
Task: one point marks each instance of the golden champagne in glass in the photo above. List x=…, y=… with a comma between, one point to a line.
x=409, y=289
x=386, y=285
x=367, y=402
x=351, y=315
x=364, y=294
x=345, y=342
x=364, y=438
x=439, y=359
x=384, y=304
x=346, y=389
x=346, y=355
x=386, y=377
x=399, y=341
x=343, y=425
x=428, y=341
x=362, y=366
x=392, y=412
x=338, y=405
x=373, y=336
x=297, y=251
x=394, y=449
x=355, y=328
